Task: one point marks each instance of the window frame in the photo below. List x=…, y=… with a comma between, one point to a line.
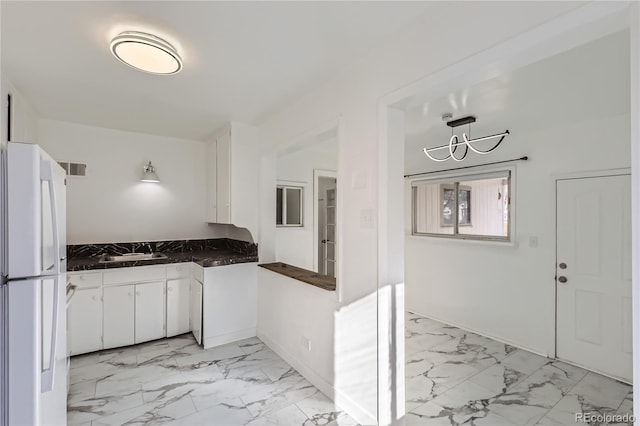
x=454, y=179
x=284, y=188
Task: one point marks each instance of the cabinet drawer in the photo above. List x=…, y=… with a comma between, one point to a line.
x=134, y=275
x=179, y=270
x=85, y=279
x=198, y=273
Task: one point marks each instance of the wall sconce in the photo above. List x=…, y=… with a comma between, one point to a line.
x=149, y=174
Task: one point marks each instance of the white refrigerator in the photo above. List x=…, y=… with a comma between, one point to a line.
x=33, y=353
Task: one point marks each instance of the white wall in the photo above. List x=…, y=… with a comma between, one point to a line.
x=478, y=285
x=353, y=95
x=294, y=245
x=110, y=204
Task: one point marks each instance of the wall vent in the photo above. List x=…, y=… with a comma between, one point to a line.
x=74, y=169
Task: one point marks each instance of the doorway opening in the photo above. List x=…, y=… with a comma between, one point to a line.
x=468, y=302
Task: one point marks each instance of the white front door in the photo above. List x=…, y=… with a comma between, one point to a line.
x=593, y=274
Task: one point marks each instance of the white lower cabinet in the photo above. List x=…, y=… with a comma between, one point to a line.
x=196, y=310
x=119, y=308
x=230, y=300
x=125, y=306
x=178, y=306
x=85, y=321
x=149, y=312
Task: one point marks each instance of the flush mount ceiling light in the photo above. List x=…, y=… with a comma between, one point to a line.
x=146, y=52
x=454, y=142
x=149, y=174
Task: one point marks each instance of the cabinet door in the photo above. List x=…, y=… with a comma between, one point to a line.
x=178, y=306
x=118, y=316
x=196, y=310
x=85, y=321
x=223, y=179
x=212, y=187
x=150, y=316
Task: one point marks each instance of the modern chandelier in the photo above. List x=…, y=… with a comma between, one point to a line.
x=454, y=142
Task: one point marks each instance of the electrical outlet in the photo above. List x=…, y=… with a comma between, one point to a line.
x=305, y=342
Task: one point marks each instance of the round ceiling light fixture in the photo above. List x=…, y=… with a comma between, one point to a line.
x=146, y=52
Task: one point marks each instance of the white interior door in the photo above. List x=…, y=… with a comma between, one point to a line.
x=594, y=274
x=329, y=240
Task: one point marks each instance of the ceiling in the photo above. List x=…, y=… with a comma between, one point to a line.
x=242, y=60
x=587, y=82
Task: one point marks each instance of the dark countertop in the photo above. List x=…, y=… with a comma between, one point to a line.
x=324, y=282
x=204, y=258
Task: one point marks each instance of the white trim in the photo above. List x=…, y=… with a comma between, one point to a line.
x=634, y=92
x=488, y=173
x=296, y=186
x=354, y=409
x=591, y=174
x=438, y=178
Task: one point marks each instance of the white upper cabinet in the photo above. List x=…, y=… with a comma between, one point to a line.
x=233, y=168
x=219, y=175
x=223, y=178
x=212, y=182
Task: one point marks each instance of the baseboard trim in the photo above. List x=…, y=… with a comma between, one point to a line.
x=482, y=333
x=223, y=339
x=345, y=402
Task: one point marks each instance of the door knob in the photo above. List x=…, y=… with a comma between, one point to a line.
x=563, y=265
x=562, y=279
x=324, y=241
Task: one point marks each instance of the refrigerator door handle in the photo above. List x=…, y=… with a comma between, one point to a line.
x=46, y=174
x=46, y=377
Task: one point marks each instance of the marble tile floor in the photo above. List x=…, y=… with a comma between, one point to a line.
x=176, y=382
x=455, y=377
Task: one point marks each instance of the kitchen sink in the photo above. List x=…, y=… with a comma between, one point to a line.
x=131, y=257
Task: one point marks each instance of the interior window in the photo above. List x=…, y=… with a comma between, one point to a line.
x=289, y=205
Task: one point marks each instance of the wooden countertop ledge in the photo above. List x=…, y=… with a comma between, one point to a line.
x=324, y=282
